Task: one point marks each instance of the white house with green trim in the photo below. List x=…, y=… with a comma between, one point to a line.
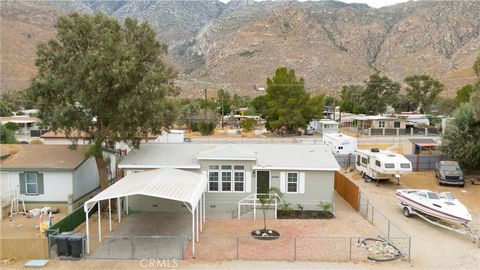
x=236, y=172
x=47, y=175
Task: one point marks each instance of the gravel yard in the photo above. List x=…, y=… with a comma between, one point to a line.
x=432, y=247
x=300, y=239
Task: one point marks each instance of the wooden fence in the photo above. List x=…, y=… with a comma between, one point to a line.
x=347, y=189
x=24, y=248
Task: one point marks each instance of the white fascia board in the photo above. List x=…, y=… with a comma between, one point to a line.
x=294, y=168
x=250, y=159
x=127, y=166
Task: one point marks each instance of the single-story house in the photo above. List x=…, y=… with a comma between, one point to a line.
x=209, y=180
x=380, y=122
x=47, y=175
x=324, y=126
x=414, y=119
x=25, y=123
x=304, y=173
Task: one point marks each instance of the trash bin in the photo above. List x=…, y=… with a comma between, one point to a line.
x=76, y=241
x=63, y=248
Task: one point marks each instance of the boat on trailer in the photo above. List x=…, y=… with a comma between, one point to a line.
x=443, y=206
x=439, y=209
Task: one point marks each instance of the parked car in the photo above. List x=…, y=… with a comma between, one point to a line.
x=449, y=172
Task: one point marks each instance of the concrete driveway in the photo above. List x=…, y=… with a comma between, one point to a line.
x=159, y=235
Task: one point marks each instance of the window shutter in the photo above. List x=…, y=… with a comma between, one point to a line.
x=248, y=181
x=302, y=183
x=22, y=183
x=282, y=182
x=40, y=183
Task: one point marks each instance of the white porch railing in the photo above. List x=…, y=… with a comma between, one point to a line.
x=252, y=200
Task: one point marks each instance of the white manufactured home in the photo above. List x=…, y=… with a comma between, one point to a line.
x=378, y=165
x=340, y=143
x=47, y=175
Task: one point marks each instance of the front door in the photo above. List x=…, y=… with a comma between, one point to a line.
x=263, y=181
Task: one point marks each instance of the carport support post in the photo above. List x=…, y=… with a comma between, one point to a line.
x=197, y=220
x=193, y=233
x=99, y=223
x=201, y=213
x=126, y=203
x=86, y=231
x=109, y=215
x=203, y=205
x=119, y=210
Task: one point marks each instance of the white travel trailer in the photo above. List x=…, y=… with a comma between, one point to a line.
x=381, y=165
x=340, y=143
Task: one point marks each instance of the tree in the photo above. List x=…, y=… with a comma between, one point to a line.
x=461, y=140
x=380, y=91
x=266, y=199
x=259, y=105
x=463, y=94
x=6, y=136
x=287, y=101
x=423, y=89
x=247, y=125
x=225, y=101
x=445, y=105
x=351, y=99
x=105, y=79
x=317, y=104
x=188, y=113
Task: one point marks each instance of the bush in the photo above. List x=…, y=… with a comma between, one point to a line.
x=37, y=141
x=12, y=126
x=206, y=128
x=248, y=124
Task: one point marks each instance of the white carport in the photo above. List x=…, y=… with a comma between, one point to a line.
x=166, y=183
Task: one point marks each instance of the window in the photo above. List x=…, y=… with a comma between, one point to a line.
x=226, y=181
x=405, y=165
x=292, y=182
x=389, y=165
x=212, y=181
x=381, y=124
x=378, y=163
x=364, y=160
x=31, y=183
x=396, y=124
x=239, y=180
x=226, y=178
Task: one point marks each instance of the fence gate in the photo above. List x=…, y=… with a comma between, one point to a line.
x=347, y=189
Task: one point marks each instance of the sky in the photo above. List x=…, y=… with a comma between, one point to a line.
x=372, y=3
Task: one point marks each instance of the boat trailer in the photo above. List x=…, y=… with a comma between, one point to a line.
x=467, y=231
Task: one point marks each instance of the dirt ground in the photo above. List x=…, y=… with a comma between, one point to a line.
x=395, y=148
x=19, y=226
x=432, y=247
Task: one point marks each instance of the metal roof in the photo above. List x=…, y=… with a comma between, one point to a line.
x=424, y=142
x=171, y=184
x=268, y=156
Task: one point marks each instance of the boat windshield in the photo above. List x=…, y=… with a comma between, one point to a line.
x=449, y=196
x=433, y=196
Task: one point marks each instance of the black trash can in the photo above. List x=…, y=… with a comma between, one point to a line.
x=63, y=248
x=76, y=241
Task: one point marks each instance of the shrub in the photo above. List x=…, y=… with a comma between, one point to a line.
x=36, y=141
x=248, y=124
x=206, y=128
x=12, y=126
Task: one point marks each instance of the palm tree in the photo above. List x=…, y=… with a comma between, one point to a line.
x=266, y=199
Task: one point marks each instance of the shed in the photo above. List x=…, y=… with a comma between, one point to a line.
x=423, y=146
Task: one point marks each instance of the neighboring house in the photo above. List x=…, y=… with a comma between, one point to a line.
x=380, y=122
x=47, y=175
x=414, y=119
x=324, y=126
x=25, y=123
x=304, y=173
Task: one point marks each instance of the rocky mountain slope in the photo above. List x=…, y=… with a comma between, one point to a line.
x=238, y=44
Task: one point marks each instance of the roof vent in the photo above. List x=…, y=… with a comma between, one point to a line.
x=375, y=150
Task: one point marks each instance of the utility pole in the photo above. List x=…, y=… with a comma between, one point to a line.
x=205, y=109
x=223, y=110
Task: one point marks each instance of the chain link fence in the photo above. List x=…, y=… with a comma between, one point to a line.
x=389, y=230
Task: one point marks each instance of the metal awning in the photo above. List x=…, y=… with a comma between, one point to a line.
x=166, y=183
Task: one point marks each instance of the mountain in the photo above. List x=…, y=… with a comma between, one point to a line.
x=238, y=44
